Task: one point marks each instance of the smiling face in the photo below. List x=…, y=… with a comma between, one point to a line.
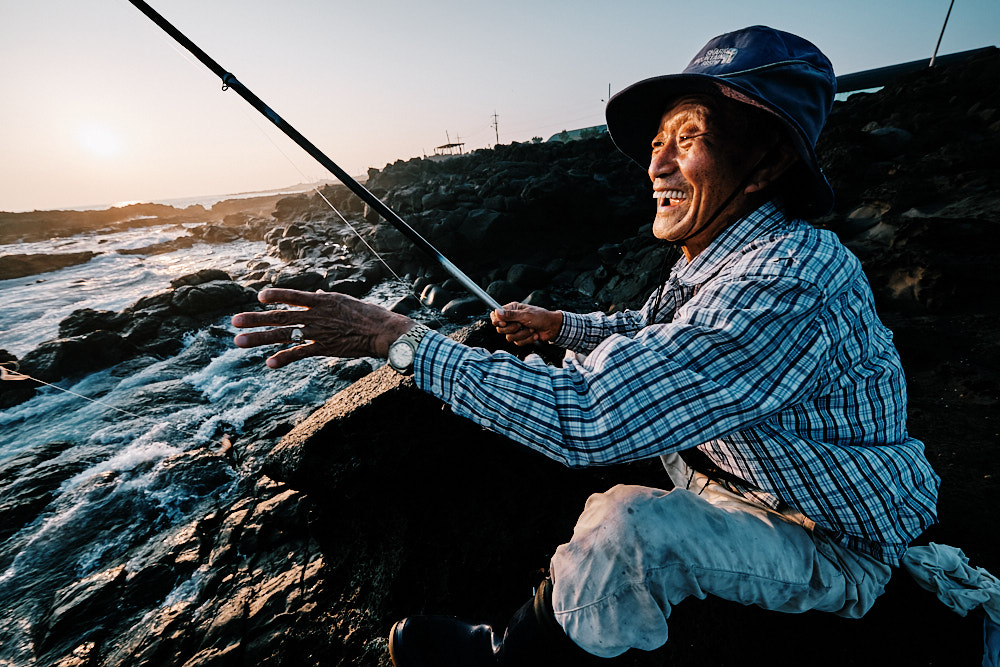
x=698, y=159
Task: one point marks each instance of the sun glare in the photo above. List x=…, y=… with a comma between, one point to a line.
x=99, y=140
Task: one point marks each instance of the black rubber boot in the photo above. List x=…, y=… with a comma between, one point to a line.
x=533, y=637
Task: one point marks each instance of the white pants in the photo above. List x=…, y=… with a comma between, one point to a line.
x=636, y=551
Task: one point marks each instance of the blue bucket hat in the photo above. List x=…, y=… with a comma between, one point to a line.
x=772, y=70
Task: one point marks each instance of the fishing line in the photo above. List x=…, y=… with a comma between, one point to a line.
x=16, y=375
x=409, y=287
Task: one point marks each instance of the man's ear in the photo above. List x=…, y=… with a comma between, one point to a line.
x=774, y=163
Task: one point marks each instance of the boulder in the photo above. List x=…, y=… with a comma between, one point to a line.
x=405, y=305
x=505, y=292
x=301, y=280
x=86, y=320
x=482, y=228
x=19, y=266
x=527, y=276
x=435, y=296
x=210, y=296
x=352, y=287
x=64, y=357
x=464, y=306
x=200, y=277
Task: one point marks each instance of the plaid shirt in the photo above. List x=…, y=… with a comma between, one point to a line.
x=766, y=354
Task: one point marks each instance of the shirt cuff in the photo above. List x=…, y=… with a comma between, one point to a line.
x=573, y=332
x=437, y=363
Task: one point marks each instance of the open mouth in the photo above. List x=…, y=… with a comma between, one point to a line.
x=669, y=197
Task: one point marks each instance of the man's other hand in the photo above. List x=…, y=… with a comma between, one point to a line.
x=522, y=324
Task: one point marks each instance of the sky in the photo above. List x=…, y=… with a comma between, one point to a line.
x=99, y=106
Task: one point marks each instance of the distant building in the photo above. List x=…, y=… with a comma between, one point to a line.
x=576, y=135
x=449, y=149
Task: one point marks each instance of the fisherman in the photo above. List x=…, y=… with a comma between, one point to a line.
x=758, y=371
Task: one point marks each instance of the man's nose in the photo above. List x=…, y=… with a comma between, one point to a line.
x=662, y=162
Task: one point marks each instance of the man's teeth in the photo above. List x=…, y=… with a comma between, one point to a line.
x=669, y=194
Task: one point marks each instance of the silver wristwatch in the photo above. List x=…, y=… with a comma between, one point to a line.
x=403, y=350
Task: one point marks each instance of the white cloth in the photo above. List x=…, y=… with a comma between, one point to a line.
x=637, y=551
x=945, y=571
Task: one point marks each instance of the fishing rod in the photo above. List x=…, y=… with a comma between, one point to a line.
x=390, y=216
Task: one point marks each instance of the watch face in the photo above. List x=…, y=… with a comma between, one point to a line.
x=400, y=355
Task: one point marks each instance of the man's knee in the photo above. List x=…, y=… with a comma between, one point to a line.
x=629, y=520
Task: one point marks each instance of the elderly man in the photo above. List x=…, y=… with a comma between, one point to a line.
x=758, y=371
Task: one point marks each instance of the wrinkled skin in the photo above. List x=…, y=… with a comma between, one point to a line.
x=522, y=324
x=333, y=325
x=697, y=162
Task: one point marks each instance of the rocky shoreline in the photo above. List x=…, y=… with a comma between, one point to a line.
x=384, y=504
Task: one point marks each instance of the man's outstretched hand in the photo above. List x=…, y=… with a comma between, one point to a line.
x=334, y=325
x=523, y=324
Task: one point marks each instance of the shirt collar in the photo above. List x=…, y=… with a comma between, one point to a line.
x=710, y=261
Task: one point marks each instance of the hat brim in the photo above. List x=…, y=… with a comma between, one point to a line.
x=634, y=116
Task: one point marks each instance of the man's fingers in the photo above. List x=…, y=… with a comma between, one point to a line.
x=527, y=338
x=269, y=318
x=292, y=297
x=268, y=337
x=288, y=355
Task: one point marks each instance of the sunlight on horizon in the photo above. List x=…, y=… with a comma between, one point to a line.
x=100, y=140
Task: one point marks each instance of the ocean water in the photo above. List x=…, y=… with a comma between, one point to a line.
x=32, y=307
x=142, y=454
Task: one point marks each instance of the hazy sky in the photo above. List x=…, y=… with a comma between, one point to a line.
x=99, y=106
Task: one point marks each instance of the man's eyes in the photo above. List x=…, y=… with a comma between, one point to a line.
x=681, y=139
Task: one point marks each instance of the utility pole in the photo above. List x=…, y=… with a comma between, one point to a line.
x=938, y=45
x=496, y=126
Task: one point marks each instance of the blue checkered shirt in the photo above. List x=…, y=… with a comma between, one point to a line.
x=766, y=354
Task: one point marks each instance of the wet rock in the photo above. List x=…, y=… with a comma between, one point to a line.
x=84, y=605
x=464, y=306
x=435, y=296
x=405, y=305
x=153, y=303
x=19, y=266
x=81, y=354
x=353, y=370
x=306, y=280
x=28, y=482
x=210, y=296
x=200, y=277
x=352, y=287
x=87, y=320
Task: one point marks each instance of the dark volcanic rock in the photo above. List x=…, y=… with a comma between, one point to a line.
x=18, y=266
x=87, y=320
x=210, y=297
x=28, y=482
x=80, y=354
x=200, y=277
